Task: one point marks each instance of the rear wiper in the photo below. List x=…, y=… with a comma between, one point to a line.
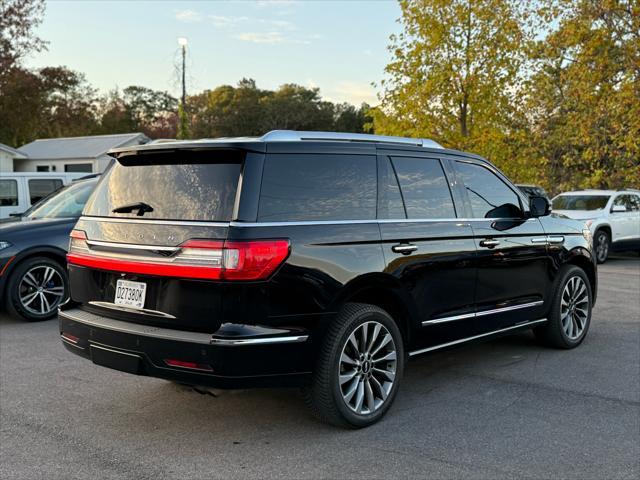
x=141, y=207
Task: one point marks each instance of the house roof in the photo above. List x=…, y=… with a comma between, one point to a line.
x=78, y=147
x=12, y=151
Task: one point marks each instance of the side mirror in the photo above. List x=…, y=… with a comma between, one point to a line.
x=539, y=206
x=618, y=209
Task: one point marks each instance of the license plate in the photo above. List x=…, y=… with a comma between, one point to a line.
x=130, y=294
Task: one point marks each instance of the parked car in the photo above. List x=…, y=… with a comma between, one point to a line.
x=533, y=191
x=20, y=190
x=612, y=216
x=33, y=277
x=315, y=259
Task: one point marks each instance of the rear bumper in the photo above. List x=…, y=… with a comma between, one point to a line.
x=236, y=356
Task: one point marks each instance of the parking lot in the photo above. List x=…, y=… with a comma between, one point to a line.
x=507, y=408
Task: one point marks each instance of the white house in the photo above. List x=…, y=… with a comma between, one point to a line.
x=73, y=154
x=7, y=157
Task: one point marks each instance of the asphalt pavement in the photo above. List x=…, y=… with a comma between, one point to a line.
x=504, y=409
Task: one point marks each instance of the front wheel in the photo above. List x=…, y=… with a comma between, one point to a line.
x=359, y=368
x=570, y=316
x=602, y=244
x=35, y=289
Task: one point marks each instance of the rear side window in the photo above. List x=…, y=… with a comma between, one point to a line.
x=488, y=195
x=8, y=193
x=202, y=191
x=425, y=189
x=41, y=187
x=318, y=187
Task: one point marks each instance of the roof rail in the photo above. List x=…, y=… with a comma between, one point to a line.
x=294, y=136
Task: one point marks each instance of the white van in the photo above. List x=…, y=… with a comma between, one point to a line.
x=20, y=190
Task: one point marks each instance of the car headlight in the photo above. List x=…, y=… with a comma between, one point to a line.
x=4, y=245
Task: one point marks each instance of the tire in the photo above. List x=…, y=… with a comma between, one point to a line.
x=602, y=245
x=570, y=315
x=27, y=287
x=369, y=392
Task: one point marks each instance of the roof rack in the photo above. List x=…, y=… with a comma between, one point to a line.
x=294, y=136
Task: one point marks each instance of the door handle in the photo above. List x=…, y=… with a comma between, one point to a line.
x=404, y=248
x=489, y=243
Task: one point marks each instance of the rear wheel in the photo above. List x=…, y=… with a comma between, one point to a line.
x=602, y=244
x=359, y=368
x=570, y=316
x=35, y=289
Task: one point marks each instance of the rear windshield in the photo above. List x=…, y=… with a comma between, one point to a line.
x=580, y=202
x=202, y=191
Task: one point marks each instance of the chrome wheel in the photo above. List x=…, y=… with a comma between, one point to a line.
x=367, y=368
x=602, y=247
x=41, y=290
x=574, y=307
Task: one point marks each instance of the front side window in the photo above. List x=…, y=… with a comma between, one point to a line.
x=68, y=202
x=488, y=195
x=308, y=187
x=41, y=187
x=580, y=202
x=8, y=193
x=425, y=189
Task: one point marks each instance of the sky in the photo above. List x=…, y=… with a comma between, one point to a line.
x=337, y=46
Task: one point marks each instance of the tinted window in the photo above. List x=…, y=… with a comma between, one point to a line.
x=176, y=191
x=631, y=202
x=8, y=193
x=580, y=202
x=42, y=187
x=318, y=187
x=390, y=204
x=68, y=202
x=488, y=195
x=424, y=188
x=78, y=167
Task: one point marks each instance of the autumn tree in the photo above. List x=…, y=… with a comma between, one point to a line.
x=455, y=74
x=584, y=95
x=18, y=19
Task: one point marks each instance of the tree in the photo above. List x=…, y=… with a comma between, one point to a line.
x=455, y=73
x=18, y=19
x=585, y=95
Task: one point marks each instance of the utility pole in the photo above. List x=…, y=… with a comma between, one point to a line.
x=183, y=46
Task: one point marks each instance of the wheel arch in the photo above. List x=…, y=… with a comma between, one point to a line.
x=385, y=292
x=582, y=258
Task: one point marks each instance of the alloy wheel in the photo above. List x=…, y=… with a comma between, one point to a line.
x=367, y=368
x=41, y=290
x=602, y=247
x=574, y=307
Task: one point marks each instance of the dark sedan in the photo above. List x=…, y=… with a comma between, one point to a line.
x=33, y=247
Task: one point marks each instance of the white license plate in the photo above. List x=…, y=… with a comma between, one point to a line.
x=130, y=294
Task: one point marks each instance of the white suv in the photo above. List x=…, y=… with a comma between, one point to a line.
x=613, y=216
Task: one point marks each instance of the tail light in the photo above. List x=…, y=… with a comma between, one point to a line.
x=201, y=259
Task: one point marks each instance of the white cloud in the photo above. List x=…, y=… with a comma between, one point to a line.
x=227, y=22
x=257, y=37
x=353, y=92
x=188, y=16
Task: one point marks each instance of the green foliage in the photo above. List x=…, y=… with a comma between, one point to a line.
x=548, y=90
x=183, y=125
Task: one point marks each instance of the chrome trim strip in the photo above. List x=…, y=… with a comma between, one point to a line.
x=298, y=136
x=475, y=337
x=124, y=308
x=234, y=342
x=152, y=221
x=352, y=222
x=131, y=246
x=70, y=343
x=93, y=345
x=482, y=313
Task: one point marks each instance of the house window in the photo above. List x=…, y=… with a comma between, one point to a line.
x=42, y=168
x=78, y=167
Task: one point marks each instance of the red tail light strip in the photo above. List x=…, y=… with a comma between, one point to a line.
x=197, y=259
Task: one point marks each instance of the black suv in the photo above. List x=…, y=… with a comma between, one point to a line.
x=312, y=259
